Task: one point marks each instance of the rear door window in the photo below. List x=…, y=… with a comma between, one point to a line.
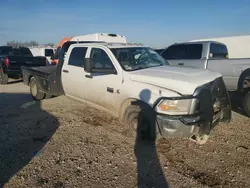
x=183, y=51
x=77, y=56
x=218, y=51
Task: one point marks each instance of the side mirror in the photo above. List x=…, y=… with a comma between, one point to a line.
x=88, y=64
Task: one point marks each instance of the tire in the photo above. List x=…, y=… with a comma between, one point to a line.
x=141, y=122
x=246, y=103
x=3, y=78
x=34, y=90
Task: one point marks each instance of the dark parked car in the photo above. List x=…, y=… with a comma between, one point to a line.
x=11, y=60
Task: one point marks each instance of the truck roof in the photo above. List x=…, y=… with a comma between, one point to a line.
x=107, y=37
x=111, y=45
x=199, y=42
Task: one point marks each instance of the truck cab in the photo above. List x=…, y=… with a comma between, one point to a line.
x=104, y=37
x=194, y=54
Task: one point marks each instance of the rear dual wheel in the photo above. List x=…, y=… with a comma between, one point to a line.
x=35, y=90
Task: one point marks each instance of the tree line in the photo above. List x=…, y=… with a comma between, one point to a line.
x=27, y=44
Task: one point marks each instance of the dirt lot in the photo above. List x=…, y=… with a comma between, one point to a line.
x=62, y=143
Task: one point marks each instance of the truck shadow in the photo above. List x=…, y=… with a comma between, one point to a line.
x=149, y=171
x=237, y=102
x=24, y=130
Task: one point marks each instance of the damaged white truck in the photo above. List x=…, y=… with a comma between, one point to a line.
x=137, y=85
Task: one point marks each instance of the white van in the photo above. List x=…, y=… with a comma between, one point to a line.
x=43, y=51
x=238, y=46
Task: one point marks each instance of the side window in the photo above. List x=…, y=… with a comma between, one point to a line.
x=77, y=56
x=218, y=51
x=101, y=59
x=174, y=52
x=25, y=52
x=49, y=52
x=183, y=51
x=194, y=51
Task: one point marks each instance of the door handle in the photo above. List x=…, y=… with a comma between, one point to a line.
x=180, y=63
x=110, y=90
x=66, y=71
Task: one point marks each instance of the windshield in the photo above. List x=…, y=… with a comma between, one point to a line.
x=135, y=58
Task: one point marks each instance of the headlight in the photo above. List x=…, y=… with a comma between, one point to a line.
x=177, y=107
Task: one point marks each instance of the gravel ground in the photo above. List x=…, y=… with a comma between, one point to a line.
x=63, y=143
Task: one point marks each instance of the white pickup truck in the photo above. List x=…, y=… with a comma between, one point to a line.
x=213, y=56
x=134, y=83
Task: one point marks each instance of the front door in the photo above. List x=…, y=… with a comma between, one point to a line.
x=102, y=88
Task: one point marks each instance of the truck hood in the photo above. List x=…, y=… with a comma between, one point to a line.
x=179, y=79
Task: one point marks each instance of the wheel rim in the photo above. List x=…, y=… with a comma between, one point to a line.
x=134, y=129
x=33, y=89
x=133, y=126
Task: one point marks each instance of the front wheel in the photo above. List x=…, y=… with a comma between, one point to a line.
x=34, y=90
x=246, y=103
x=141, y=122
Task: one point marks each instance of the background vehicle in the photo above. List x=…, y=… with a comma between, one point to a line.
x=213, y=56
x=237, y=46
x=159, y=50
x=107, y=37
x=165, y=100
x=11, y=60
x=47, y=52
x=54, y=60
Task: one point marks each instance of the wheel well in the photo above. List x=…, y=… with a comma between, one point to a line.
x=30, y=79
x=243, y=76
x=128, y=102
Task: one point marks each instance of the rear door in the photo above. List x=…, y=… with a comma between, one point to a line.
x=73, y=74
x=187, y=55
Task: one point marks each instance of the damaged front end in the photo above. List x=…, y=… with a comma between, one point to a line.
x=211, y=105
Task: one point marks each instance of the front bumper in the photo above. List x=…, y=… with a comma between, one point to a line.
x=214, y=107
